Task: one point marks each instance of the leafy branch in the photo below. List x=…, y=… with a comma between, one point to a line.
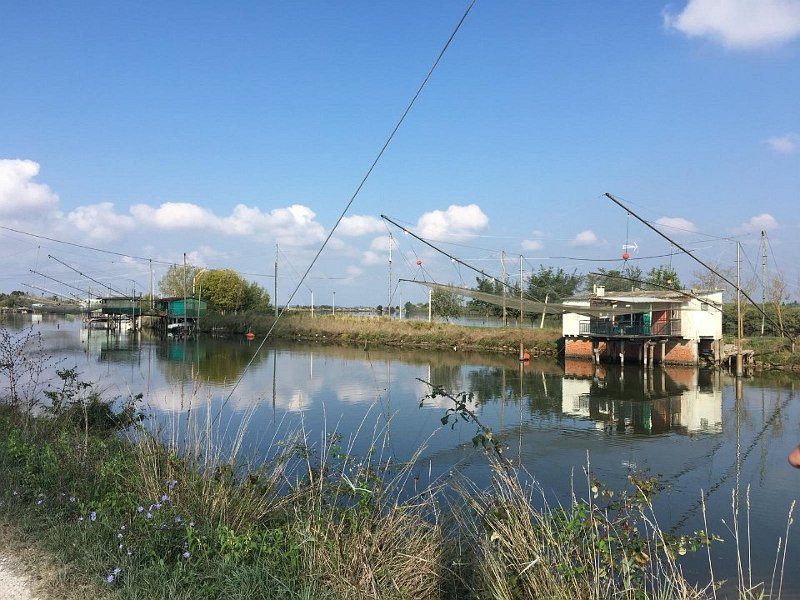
x=460, y=411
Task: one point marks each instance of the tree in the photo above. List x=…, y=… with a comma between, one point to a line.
x=256, y=298
x=223, y=289
x=709, y=280
x=445, y=303
x=663, y=277
x=552, y=282
x=177, y=281
x=615, y=280
x=490, y=286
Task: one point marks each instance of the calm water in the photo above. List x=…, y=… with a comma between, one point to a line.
x=684, y=425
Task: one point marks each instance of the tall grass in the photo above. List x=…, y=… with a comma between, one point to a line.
x=390, y=332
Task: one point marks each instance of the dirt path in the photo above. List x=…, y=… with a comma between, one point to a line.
x=28, y=573
x=14, y=585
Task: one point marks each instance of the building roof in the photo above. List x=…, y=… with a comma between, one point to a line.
x=644, y=296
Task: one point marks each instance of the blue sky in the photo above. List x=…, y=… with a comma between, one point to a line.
x=219, y=130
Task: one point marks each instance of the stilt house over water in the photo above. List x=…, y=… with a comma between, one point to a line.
x=644, y=326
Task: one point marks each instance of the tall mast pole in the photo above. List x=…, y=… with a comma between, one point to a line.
x=184, y=292
x=503, y=262
x=521, y=315
x=275, y=289
x=389, y=290
x=152, y=296
x=738, y=311
x=763, y=278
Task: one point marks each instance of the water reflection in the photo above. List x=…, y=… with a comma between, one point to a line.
x=654, y=401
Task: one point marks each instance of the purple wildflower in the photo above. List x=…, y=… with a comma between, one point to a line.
x=191, y=523
x=171, y=484
x=178, y=519
x=109, y=578
x=186, y=554
x=164, y=498
x=72, y=498
x=149, y=515
x=140, y=509
x=92, y=516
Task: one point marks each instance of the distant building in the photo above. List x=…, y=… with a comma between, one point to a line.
x=179, y=308
x=669, y=326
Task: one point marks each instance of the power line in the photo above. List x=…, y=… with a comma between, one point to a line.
x=717, y=273
x=108, y=287
x=352, y=198
x=49, y=239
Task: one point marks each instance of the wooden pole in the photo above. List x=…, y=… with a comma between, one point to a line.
x=739, y=370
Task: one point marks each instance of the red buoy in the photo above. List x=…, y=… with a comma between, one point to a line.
x=625, y=256
x=419, y=262
x=250, y=335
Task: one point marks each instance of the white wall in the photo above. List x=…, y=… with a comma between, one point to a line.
x=697, y=323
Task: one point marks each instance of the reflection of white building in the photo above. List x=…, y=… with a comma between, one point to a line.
x=686, y=411
x=575, y=397
x=701, y=411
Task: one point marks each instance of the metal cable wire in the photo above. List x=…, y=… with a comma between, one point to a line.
x=352, y=199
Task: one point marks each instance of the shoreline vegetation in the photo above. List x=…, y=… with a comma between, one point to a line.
x=351, y=330
x=129, y=510
x=770, y=352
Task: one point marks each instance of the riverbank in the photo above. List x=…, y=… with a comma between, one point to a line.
x=770, y=352
x=378, y=331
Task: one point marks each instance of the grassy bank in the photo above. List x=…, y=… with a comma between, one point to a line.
x=137, y=518
x=388, y=332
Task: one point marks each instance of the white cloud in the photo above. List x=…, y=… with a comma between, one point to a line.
x=585, y=238
x=762, y=222
x=532, y=245
x=370, y=257
x=99, y=222
x=360, y=225
x=679, y=224
x=785, y=144
x=457, y=223
x=380, y=244
x=290, y=226
x=743, y=24
x=174, y=215
x=19, y=195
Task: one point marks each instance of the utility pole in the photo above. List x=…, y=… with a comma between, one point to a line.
x=389, y=290
x=503, y=263
x=184, y=292
x=763, y=278
x=275, y=298
x=152, y=296
x=739, y=370
x=521, y=314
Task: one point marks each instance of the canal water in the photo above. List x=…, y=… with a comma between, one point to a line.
x=689, y=427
